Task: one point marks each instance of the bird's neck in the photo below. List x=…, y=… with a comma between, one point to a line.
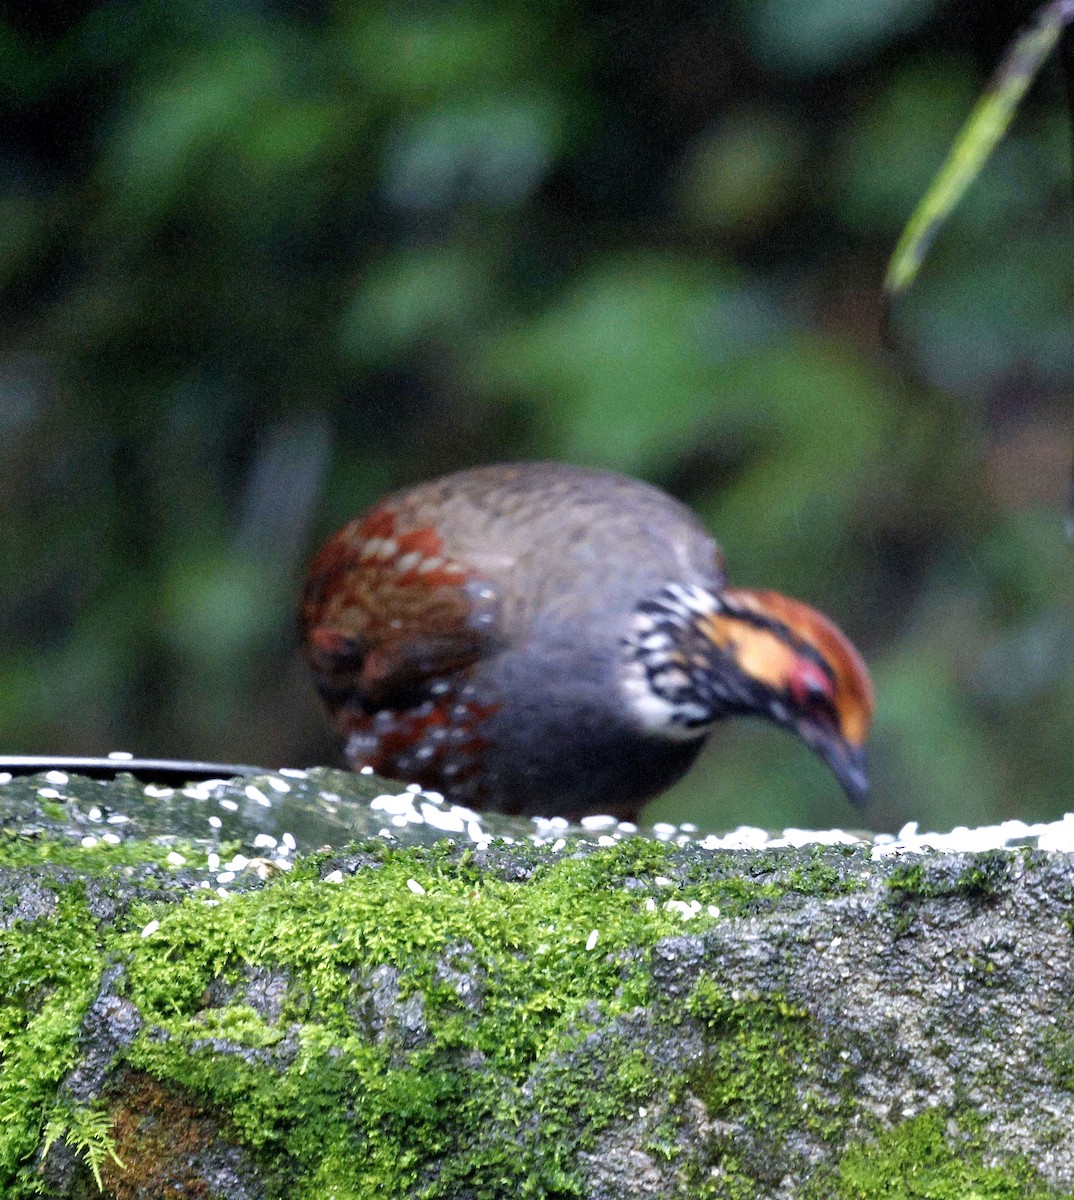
x=678, y=681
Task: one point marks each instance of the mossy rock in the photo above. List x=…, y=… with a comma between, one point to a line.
x=569, y=1020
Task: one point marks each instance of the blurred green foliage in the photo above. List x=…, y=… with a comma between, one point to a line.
x=261, y=261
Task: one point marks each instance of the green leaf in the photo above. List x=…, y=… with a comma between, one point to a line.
x=987, y=123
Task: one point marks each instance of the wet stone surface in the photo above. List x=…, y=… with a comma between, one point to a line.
x=256, y=825
x=304, y=984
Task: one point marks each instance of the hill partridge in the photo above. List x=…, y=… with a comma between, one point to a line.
x=549, y=640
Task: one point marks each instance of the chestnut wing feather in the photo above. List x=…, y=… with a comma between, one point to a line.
x=385, y=611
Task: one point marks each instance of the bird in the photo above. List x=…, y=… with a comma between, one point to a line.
x=552, y=640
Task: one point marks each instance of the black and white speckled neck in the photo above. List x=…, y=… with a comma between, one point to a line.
x=677, y=680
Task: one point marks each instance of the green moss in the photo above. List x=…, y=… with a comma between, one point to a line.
x=377, y=1115
x=921, y=1160
x=758, y=1048
x=985, y=876
x=17, y=850
x=754, y=883
x=49, y=973
x=756, y=1080
x=820, y=879
x=1059, y=1054
x=88, y=1131
x=436, y=1029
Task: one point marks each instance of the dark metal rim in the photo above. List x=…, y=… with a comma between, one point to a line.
x=151, y=770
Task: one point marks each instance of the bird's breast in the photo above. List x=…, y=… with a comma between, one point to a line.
x=560, y=740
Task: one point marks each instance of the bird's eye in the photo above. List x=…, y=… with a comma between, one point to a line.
x=811, y=688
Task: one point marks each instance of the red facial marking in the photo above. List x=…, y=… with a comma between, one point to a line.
x=853, y=693
x=808, y=684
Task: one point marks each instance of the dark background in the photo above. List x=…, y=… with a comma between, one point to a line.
x=262, y=261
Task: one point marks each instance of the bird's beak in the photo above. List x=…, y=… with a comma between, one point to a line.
x=845, y=760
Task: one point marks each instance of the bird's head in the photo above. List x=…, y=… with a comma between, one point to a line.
x=698, y=656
